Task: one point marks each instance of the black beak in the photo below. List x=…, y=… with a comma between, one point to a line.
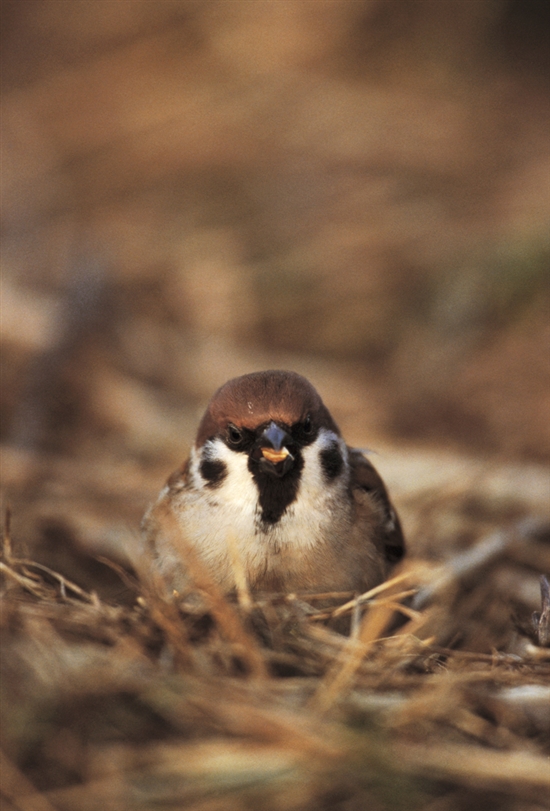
x=272, y=451
x=274, y=437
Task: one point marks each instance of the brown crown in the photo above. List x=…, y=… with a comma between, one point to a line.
x=257, y=398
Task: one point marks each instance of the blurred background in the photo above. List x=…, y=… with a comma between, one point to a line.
x=358, y=190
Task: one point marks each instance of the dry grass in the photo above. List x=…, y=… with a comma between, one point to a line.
x=199, y=702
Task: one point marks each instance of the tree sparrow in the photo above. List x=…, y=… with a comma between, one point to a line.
x=270, y=482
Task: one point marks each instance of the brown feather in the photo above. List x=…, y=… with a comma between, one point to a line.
x=365, y=479
x=251, y=400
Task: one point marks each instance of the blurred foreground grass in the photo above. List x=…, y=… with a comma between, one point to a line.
x=194, y=701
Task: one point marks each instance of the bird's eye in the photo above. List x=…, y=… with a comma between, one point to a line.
x=234, y=435
x=307, y=425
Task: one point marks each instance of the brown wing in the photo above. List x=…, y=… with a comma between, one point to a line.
x=179, y=478
x=365, y=479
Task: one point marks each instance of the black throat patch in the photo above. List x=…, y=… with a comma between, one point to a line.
x=276, y=494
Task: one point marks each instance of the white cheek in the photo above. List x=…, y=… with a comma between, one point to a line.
x=327, y=438
x=310, y=517
x=313, y=477
x=212, y=515
x=238, y=487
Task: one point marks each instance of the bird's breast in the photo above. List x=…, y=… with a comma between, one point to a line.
x=230, y=519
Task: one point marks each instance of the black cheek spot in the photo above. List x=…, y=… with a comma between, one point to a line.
x=213, y=471
x=332, y=462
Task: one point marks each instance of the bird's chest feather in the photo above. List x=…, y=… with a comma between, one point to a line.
x=229, y=517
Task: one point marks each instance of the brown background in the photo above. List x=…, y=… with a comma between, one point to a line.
x=192, y=190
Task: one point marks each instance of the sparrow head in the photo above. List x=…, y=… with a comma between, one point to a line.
x=267, y=414
x=271, y=418
x=247, y=402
